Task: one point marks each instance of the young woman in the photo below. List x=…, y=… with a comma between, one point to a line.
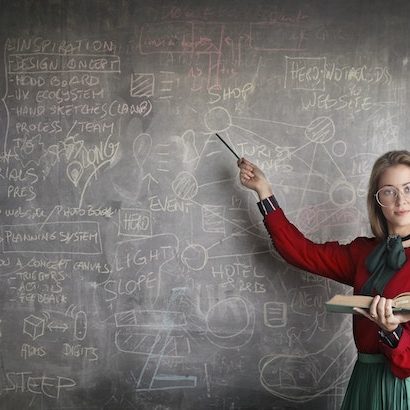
x=379, y=267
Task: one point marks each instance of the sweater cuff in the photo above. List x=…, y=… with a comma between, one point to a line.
x=391, y=339
x=396, y=354
x=268, y=205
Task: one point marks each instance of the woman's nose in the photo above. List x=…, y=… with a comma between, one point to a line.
x=401, y=197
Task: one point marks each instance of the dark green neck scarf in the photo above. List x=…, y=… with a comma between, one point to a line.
x=386, y=259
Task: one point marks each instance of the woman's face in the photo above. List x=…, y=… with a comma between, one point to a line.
x=397, y=214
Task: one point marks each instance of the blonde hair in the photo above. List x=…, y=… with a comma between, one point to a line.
x=377, y=220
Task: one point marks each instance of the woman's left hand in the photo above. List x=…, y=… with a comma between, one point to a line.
x=381, y=313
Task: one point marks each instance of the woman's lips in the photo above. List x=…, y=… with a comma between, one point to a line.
x=401, y=213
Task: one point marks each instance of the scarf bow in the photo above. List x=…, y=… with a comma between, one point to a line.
x=385, y=260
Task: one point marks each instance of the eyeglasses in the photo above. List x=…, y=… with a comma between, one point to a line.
x=387, y=195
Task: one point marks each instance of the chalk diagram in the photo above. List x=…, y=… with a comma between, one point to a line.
x=322, y=193
x=157, y=335
x=334, y=196
x=301, y=378
x=36, y=326
x=305, y=145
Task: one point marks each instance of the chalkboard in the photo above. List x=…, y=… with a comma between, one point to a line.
x=135, y=271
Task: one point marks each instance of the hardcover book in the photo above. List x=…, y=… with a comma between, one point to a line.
x=346, y=303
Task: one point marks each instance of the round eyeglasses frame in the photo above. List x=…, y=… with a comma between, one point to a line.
x=397, y=192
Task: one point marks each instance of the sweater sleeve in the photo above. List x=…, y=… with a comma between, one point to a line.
x=399, y=357
x=330, y=259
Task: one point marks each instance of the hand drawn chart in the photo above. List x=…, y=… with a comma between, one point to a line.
x=135, y=269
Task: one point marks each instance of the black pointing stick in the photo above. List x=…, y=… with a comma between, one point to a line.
x=230, y=149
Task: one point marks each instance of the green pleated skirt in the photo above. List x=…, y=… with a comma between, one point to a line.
x=372, y=386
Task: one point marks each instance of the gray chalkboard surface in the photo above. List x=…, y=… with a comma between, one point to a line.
x=135, y=271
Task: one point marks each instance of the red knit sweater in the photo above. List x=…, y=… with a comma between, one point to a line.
x=345, y=264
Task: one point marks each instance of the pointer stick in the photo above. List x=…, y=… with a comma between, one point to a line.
x=230, y=149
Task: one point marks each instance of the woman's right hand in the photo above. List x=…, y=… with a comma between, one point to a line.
x=253, y=178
